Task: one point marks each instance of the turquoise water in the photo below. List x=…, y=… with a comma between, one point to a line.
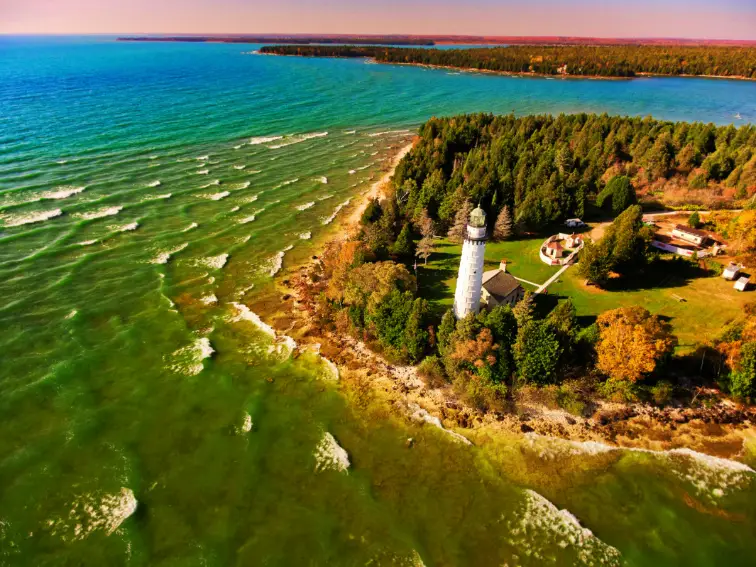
x=146, y=192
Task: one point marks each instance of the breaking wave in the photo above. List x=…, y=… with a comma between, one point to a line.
x=188, y=360
x=106, y=212
x=62, y=192
x=39, y=216
x=336, y=211
x=164, y=256
x=289, y=141
x=276, y=263
x=329, y=455
x=305, y=206
x=264, y=140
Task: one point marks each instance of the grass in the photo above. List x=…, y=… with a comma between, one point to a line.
x=709, y=303
x=438, y=278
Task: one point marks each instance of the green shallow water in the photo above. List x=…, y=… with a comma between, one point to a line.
x=129, y=377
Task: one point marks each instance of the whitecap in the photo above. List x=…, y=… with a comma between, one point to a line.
x=352, y=172
x=203, y=172
x=92, y=512
x=237, y=186
x=239, y=166
x=245, y=426
x=276, y=262
x=215, y=262
x=209, y=299
x=305, y=206
x=202, y=158
x=190, y=227
x=188, y=360
x=329, y=455
x=263, y=140
x=251, y=199
x=388, y=132
x=324, y=197
x=539, y=525
x=298, y=139
x=30, y=218
x=235, y=209
x=72, y=314
x=211, y=184
x=350, y=131
x=305, y=235
x=87, y=242
x=164, y=256
x=254, y=171
x=217, y=196
x=128, y=227
x=245, y=314
x=420, y=414
x=336, y=211
x=154, y=184
x=245, y=220
x=104, y=212
x=62, y=192
x=324, y=180
x=285, y=183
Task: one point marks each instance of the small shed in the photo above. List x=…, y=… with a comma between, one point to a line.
x=573, y=241
x=731, y=271
x=742, y=283
x=574, y=223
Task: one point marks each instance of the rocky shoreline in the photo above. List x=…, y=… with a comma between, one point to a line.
x=721, y=429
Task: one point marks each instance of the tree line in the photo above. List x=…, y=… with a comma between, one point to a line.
x=546, y=168
x=583, y=60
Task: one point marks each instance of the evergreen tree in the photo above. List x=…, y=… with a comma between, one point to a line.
x=503, y=226
x=415, y=333
x=537, y=352
x=459, y=229
x=445, y=331
x=403, y=245
x=523, y=311
x=694, y=220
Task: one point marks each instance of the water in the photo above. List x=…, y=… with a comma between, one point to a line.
x=145, y=191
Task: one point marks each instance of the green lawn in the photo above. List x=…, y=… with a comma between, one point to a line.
x=438, y=279
x=709, y=303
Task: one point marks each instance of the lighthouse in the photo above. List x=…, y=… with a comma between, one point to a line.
x=470, y=277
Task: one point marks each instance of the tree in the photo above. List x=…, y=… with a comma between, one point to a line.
x=445, y=331
x=503, y=326
x=415, y=333
x=743, y=379
x=372, y=212
x=403, y=246
x=694, y=220
x=425, y=225
x=503, y=226
x=523, y=311
x=425, y=248
x=458, y=231
x=618, y=195
x=631, y=343
x=537, y=352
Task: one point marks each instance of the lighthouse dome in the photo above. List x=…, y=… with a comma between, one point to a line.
x=478, y=218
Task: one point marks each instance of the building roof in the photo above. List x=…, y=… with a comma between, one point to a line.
x=554, y=244
x=732, y=267
x=693, y=231
x=499, y=283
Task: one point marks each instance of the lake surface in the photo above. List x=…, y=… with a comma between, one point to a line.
x=147, y=418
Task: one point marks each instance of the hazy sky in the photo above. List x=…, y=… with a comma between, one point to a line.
x=725, y=19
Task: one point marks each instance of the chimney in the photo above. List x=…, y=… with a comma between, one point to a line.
x=503, y=265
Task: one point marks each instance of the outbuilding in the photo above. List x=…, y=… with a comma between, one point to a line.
x=574, y=223
x=731, y=272
x=688, y=234
x=742, y=283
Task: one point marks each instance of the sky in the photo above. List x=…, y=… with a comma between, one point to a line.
x=712, y=19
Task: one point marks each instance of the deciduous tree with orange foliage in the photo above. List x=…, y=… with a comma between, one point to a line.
x=631, y=343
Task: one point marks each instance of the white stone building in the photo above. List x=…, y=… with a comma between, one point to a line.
x=470, y=277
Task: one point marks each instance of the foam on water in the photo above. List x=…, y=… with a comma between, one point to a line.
x=62, y=192
x=352, y=171
x=540, y=526
x=217, y=196
x=164, y=256
x=237, y=186
x=87, y=242
x=215, y=262
x=305, y=235
x=127, y=227
x=155, y=183
x=94, y=512
x=329, y=455
x=211, y=184
x=289, y=141
x=209, y=299
x=235, y=209
x=245, y=220
x=245, y=314
x=188, y=360
x=324, y=197
x=202, y=158
x=264, y=140
x=388, y=133
x=190, y=227
x=324, y=180
x=29, y=218
x=285, y=183
x=305, y=206
x=239, y=166
x=420, y=414
x=276, y=263
x=203, y=171
x=329, y=220
x=245, y=426
x=100, y=213
x=250, y=199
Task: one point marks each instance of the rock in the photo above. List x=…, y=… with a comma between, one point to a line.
x=570, y=420
x=525, y=428
x=409, y=443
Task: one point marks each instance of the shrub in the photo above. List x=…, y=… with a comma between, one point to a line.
x=619, y=391
x=432, y=372
x=662, y=393
x=570, y=400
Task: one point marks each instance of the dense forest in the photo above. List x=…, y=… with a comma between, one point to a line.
x=547, y=168
x=584, y=60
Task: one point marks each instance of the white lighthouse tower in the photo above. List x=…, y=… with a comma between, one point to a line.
x=470, y=277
